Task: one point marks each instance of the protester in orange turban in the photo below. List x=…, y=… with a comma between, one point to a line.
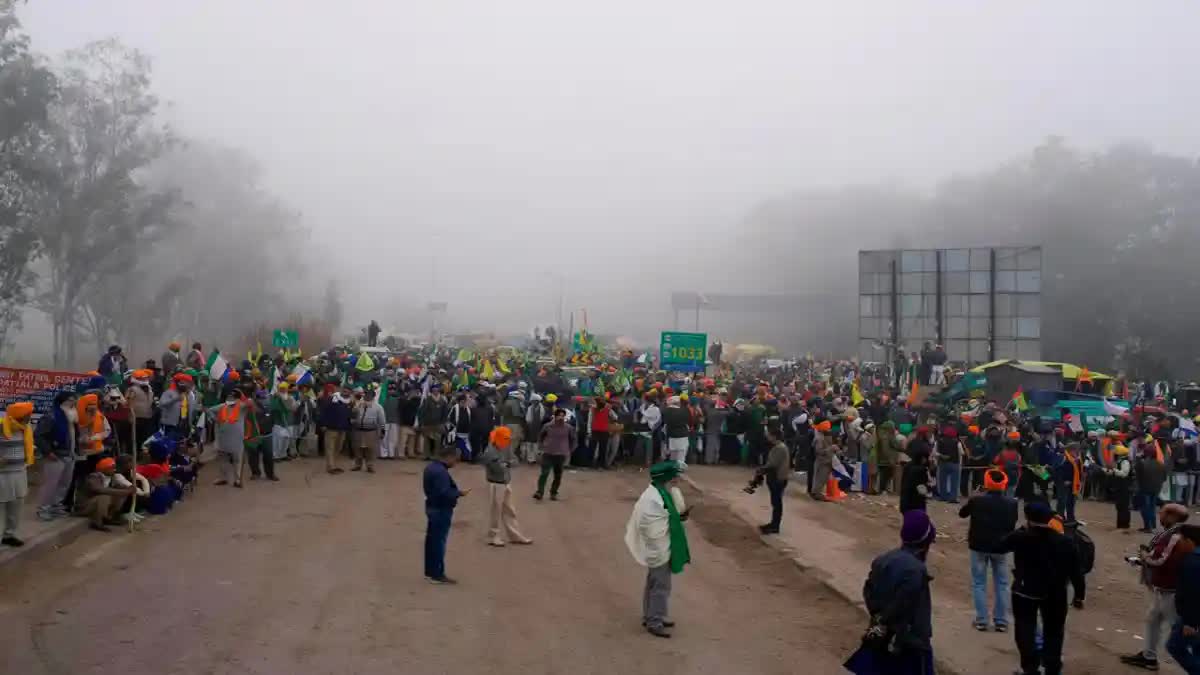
x=17, y=422
x=92, y=425
x=501, y=437
x=497, y=460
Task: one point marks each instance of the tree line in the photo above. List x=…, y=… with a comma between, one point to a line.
x=1119, y=227
x=114, y=225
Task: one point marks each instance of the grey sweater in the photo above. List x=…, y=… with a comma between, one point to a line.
x=497, y=464
x=369, y=416
x=231, y=436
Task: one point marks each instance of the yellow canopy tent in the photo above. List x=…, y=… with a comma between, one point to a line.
x=1070, y=371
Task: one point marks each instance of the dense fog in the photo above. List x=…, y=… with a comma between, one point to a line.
x=199, y=169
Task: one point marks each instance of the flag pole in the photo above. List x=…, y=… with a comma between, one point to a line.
x=133, y=449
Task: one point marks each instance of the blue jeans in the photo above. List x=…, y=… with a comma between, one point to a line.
x=998, y=562
x=1184, y=649
x=948, y=478
x=1149, y=509
x=436, y=533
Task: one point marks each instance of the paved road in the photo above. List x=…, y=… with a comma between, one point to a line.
x=322, y=574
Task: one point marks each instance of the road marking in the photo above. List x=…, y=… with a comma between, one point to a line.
x=96, y=553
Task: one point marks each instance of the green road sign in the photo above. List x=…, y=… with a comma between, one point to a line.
x=683, y=351
x=285, y=339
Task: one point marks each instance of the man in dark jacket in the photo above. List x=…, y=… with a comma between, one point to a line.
x=410, y=409
x=1044, y=561
x=776, y=472
x=1149, y=473
x=915, y=481
x=483, y=420
x=335, y=420
x=1184, y=641
x=993, y=517
x=431, y=417
x=900, y=638
x=441, y=496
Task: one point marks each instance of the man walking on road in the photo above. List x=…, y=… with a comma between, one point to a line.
x=497, y=462
x=993, y=517
x=656, y=539
x=441, y=496
x=558, y=438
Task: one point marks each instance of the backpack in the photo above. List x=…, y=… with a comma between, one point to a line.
x=1085, y=548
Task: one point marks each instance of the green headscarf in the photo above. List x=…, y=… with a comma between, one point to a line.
x=660, y=475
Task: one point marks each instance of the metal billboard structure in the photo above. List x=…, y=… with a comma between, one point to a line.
x=982, y=304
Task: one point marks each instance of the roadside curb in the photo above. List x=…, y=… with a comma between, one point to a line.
x=811, y=569
x=779, y=545
x=61, y=534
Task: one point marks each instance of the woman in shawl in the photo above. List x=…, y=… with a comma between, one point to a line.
x=657, y=541
x=16, y=453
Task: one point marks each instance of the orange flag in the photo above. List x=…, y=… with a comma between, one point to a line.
x=1085, y=375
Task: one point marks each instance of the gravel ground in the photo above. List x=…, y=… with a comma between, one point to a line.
x=322, y=574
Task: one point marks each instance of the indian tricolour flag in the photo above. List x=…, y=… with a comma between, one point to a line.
x=303, y=374
x=217, y=368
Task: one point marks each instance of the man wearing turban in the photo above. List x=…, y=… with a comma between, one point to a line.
x=899, y=640
x=171, y=359
x=16, y=453
x=656, y=539
x=102, y=499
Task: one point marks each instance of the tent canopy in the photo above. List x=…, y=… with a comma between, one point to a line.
x=1069, y=371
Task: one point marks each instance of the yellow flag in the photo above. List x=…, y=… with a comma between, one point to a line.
x=365, y=363
x=503, y=366
x=488, y=372
x=856, y=396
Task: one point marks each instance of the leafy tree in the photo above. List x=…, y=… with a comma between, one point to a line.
x=27, y=88
x=101, y=215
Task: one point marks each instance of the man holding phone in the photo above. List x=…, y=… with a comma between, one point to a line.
x=441, y=496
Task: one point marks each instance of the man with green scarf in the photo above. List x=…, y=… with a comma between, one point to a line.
x=656, y=539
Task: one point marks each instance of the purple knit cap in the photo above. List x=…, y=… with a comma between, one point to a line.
x=917, y=528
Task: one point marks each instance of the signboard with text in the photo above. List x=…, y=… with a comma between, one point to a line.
x=285, y=339
x=36, y=386
x=683, y=351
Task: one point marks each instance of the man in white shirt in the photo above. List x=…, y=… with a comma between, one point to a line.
x=656, y=540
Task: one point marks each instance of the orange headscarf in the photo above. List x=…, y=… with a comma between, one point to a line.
x=230, y=413
x=501, y=437
x=16, y=421
x=94, y=422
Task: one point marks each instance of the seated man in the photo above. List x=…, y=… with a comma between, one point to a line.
x=101, y=501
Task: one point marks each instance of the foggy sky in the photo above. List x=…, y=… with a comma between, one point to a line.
x=614, y=142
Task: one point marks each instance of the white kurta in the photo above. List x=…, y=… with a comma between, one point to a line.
x=648, y=533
